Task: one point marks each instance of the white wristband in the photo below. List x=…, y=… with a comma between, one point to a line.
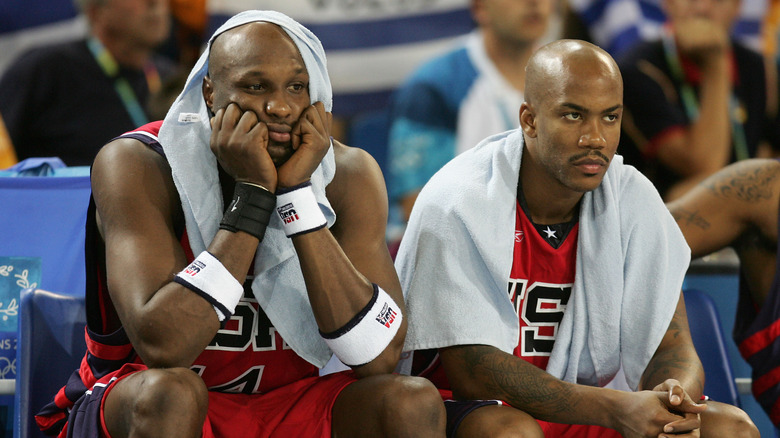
x=208, y=277
x=299, y=210
x=366, y=335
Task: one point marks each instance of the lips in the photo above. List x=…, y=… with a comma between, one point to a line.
x=279, y=133
x=590, y=165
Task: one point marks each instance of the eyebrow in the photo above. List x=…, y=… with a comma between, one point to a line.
x=582, y=109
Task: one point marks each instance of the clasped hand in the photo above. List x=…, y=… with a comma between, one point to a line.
x=240, y=140
x=667, y=410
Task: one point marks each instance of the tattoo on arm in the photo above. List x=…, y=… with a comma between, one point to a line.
x=525, y=387
x=677, y=361
x=690, y=218
x=745, y=182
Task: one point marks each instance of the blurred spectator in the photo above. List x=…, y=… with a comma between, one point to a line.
x=7, y=155
x=696, y=99
x=68, y=99
x=462, y=96
x=617, y=25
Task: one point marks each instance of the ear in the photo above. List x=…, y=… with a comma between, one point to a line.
x=528, y=119
x=208, y=93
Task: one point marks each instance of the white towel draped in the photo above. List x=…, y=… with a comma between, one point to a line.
x=456, y=257
x=184, y=135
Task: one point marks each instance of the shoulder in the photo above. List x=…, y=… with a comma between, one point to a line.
x=53, y=55
x=127, y=169
x=450, y=69
x=356, y=172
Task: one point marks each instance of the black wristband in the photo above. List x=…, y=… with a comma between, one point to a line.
x=250, y=211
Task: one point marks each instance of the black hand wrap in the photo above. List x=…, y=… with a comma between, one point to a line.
x=250, y=210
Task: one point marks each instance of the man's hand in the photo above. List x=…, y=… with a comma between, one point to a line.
x=310, y=141
x=701, y=40
x=665, y=411
x=240, y=143
x=679, y=402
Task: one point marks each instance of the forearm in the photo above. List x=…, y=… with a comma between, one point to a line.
x=483, y=372
x=678, y=363
x=676, y=358
x=338, y=291
x=710, y=135
x=188, y=320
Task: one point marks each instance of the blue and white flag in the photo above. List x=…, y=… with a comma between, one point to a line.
x=371, y=45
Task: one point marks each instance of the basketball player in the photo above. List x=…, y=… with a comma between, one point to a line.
x=545, y=266
x=738, y=207
x=177, y=346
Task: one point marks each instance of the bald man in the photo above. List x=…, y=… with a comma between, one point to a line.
x=211, y=342
x=545, y=266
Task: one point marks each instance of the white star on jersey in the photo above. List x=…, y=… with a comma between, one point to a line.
x=518, y=235
x=550, y=233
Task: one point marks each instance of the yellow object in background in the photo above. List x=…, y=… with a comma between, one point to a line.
x=7, y=152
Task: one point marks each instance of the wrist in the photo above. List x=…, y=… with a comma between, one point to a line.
x=299, y=210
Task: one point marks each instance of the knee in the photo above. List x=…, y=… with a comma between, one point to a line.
x=516, y=427
x=741, y=424
x=172, y=393
x=724, y=420
x=413, y=401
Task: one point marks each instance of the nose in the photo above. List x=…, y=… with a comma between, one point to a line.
x=593, y=137
x=277, y=106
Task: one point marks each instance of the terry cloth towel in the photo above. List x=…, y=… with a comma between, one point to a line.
x=184, y=135
x=456, y=257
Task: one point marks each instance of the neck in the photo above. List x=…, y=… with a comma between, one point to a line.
x=509, y=58
x=125, y=53
x=548, y=201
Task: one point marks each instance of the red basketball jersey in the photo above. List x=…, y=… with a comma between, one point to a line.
x=539, y=287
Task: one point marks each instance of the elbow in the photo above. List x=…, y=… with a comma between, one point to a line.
x=158, y=351
x=387, y=361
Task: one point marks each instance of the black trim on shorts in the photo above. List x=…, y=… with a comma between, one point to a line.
x=458, y=409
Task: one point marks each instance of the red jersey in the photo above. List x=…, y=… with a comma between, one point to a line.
x=539, y=287
x=246, y=356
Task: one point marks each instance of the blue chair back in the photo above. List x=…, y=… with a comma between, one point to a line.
x=51, y=346
x=369, y=131
x=710, y=343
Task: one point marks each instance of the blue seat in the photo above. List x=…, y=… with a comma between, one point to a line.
x=710, y=343
x=51, y=346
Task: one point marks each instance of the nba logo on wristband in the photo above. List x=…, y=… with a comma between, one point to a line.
x=287, y=213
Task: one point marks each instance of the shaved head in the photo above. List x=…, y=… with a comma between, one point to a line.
x=235, y=46
x=570, y=118
x=563, y=61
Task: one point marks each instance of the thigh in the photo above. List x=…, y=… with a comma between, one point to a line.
x=301, y=408
x=88, y=417
x=497, y=421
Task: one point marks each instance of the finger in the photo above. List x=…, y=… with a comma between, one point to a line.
x=247, y=121
x=231, y=117
x=688, y=423
x=216, y=120
x=676, y=394
x=689, y=406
